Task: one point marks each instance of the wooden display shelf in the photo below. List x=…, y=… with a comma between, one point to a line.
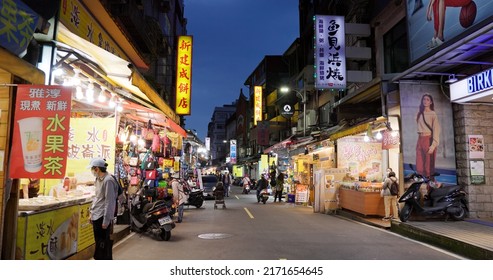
x=366, y=203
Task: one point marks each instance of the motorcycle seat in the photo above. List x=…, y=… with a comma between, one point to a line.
x=443, y=191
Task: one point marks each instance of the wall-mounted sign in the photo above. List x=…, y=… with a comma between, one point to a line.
x=41, y=132
x=330, y=52
x=476, y=146
x=477, y=171
x=287, y=110
x=232, y=151
x=184, y=75
x=17, y=25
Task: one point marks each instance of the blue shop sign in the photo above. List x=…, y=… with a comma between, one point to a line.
x=17, y=25
x=480, y=82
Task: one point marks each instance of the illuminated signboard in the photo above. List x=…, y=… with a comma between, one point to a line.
x=184, y=75
x=232, y=151
x=257, y=104
x=330, y=53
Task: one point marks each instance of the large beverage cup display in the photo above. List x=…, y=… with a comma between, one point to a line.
x=31, y=131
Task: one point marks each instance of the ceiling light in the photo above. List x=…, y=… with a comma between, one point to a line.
x=78, y=93
x=379, y=135
x=112, y=102
x=102, y=96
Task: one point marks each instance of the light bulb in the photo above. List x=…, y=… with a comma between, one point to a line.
x=366, y=138
x=75, y=79
x=133, y=138
x=112, y=102
x=57, y=72
x=78, y=93
x=119, y=107
x=379, y=135
x=101, y=96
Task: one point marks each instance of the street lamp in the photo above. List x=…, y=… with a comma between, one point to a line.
x=303, y=100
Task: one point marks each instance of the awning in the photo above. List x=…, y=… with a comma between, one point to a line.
x=118, y=72
x=20, y=68
x=357, y=129
x=281, y=145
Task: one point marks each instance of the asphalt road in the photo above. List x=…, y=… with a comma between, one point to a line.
x=247, y=230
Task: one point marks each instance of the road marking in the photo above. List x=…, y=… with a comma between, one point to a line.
x=249, y=214
x=237, y=197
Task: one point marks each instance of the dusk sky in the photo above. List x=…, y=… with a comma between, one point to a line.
x=231, y=37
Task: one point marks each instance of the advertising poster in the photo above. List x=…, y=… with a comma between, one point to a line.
x=91, y=139
x=476, y=146
x=427, y=132
x=85, y=231
x=55, y=234
x=41, y=132
x=426, y=31
x=301, y=193
x=360, y=157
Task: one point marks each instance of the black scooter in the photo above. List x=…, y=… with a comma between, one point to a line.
x=195, y=198
x=151, y=217
x=444, y=201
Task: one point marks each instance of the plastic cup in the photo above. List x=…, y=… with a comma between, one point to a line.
x=31, y=130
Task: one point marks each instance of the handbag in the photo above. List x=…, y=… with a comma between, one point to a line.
x=151, y=174
x=134, y=180
x=133, y=161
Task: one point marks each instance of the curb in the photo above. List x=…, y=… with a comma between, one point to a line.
x=453, y=245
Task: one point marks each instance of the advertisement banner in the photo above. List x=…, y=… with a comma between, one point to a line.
x=232, y=151
x=433, y=23
x=53, y=234
x=184, y=75
x=91, y=138
x=364, y=159
x=330, y=54
x=41, y=132
x=428, y=138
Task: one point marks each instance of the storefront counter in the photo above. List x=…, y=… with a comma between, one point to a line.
x=54, y=229
x=363, y=202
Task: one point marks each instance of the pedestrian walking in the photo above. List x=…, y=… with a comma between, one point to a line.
x=102, y=211
x=179, y=196
x=390, y=196
x=227, y=179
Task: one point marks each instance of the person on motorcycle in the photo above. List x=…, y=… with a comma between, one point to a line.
x=261, y=185
x=179, y=196
x=246, y=184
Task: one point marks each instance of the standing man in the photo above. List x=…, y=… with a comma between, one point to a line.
x=227, y=182
x=102, y=211
x=179, y=196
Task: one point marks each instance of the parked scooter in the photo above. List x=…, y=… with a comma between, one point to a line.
x=195, y=197
x=443, y=201
x=151, y=217
x=263, y=196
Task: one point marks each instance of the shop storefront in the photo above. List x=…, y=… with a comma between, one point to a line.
x=95, y=107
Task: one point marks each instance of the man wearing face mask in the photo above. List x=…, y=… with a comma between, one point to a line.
x=102, y=210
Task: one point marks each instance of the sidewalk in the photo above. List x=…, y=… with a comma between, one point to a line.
x=471, y=238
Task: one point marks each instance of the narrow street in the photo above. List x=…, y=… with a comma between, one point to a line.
x=247, y=230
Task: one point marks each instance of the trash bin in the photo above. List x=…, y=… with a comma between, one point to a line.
x=291, y=198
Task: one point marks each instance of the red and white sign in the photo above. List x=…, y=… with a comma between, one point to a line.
x=41, y=132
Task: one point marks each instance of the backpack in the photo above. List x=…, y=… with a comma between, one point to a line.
x=394, y=187
x=120, y=197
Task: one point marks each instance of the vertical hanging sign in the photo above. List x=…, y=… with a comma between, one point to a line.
x=330, y=53
x=41, y=131
x=232, y=150
x=257, y=104
x=184, y=75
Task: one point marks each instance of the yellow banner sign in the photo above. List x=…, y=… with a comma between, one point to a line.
x=184, y=75
x=257, y=104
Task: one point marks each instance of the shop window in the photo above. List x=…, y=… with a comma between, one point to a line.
x=396, y=52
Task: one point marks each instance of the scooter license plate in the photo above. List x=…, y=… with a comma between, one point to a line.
x=165, y=220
